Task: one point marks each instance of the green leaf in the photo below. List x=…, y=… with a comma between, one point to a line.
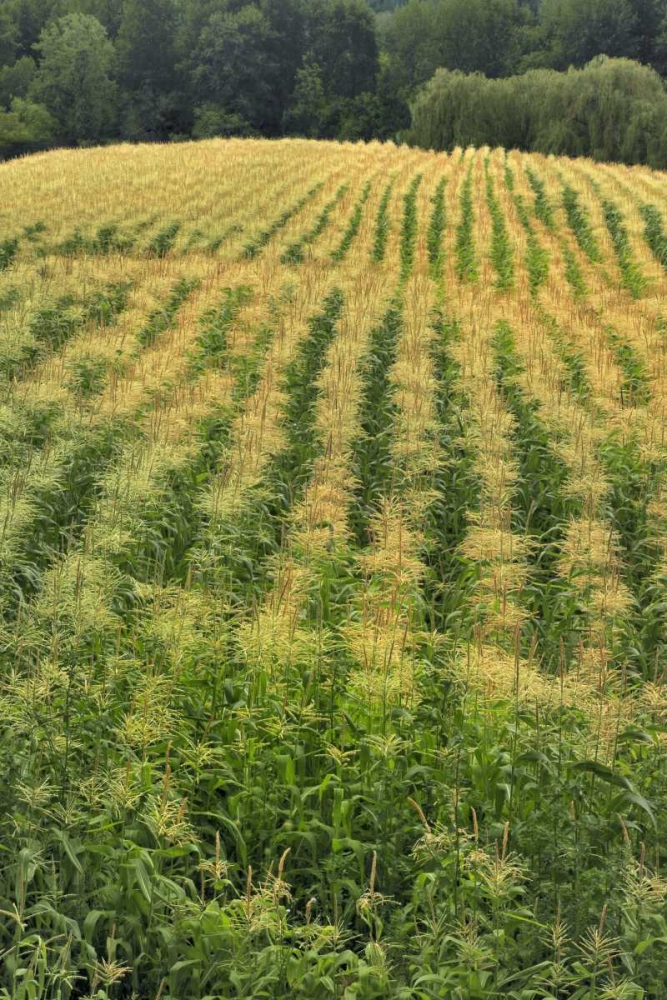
x=632, y=735
x=69, y=850
x=641, y=947
x=143, y=879
x=634, y=798
x=603, y=772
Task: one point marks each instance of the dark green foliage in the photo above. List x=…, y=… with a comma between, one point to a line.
x=613, y=109
x=537, y=263
x=86, y=377
x=409, y=227
x=161, y=319
x=60, y=510
x=170, y=523
x=352, y=228
x=106, y=304
x=635, y=390
x=436, y=229
x=466, y=259
x=295, y=462
x=509, y=176
x=38, y=427
x=571, y=358
x=243, y=546
x=170, y=527
x=575, y=31
x=160, y=244
x=230, y=69
x=633, y=279
x=541, y=508
x=449, y=588
x=382, y=226
x=573, y=273
x=211, y=344
x=371, y=458
x=254, y=247
x=473, y=36
x=372, y=465
x=73, y=245
x=107, y=240
x=579, y=223
x=654, y=233
x=9, y=299
x=635, y=483
x=344, y=46
x=542, y=208
x=501, y=250
x=26, y=127
x=74, y=81
x=295, y=252
x=8, y=251
x=198, y=241
x=147, y=52
x=53, y=325
x=247, y=367
x=537, y=257
x=34, y=231
x=151, y=70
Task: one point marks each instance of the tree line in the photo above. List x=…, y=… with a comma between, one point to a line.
x=77, y=72
x=613, y=109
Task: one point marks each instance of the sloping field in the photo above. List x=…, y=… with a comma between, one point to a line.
x=333, y=574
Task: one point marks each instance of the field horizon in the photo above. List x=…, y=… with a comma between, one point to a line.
x=333, y=573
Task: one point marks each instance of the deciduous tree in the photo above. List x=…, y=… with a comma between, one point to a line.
x=74, y=78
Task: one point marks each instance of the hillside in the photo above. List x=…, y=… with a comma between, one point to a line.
x=333, y=574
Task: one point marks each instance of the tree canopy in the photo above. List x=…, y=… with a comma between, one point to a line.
x=104, y=70
x=73, y=82
x=611, y=109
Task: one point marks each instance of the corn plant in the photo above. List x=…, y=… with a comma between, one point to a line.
x=501, y=250
x=333, y=548
x=579, y=223
x=633, y=279
x=382, y=225
x=542, y=207
x=352, y=227
x=466, y=261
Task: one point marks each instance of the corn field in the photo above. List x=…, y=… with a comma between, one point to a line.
x=333, y=575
